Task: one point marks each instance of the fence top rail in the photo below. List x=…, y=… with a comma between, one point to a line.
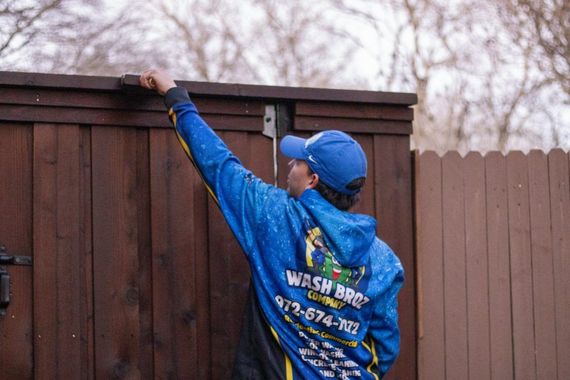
x=129, y=82
x=441, y=155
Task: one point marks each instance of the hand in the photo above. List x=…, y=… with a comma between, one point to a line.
x=158, y=80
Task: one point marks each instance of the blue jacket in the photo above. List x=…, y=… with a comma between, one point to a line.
x=326, y=285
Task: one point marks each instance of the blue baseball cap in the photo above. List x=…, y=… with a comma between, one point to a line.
x=335, y=156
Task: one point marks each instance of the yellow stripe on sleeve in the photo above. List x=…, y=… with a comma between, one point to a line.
x=172, y=116
x=374, y=362
x=288, y=366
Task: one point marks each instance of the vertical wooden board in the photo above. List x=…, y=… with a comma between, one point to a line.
x=429, y=251
x=61, y=325
x=260, y=157
x=68, y=282
x=86, y=263
x=45, y=243
x=146, y=362
x=559, y=179
x=16, y=353
x=476, y=266
x=115, y=255
x=501, y=351
x=393, y=202
x=366, y=203
x=542, y=270
x=174, y=264
x=521, y=267
x=456, y=358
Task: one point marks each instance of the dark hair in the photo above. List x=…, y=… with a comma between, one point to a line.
x=339, y=200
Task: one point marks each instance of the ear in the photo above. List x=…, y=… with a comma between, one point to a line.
x=313, y=182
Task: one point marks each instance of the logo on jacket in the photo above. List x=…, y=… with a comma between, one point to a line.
x=321, y=260
x=326, y=280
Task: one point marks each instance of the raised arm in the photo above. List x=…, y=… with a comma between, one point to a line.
x=239, y=194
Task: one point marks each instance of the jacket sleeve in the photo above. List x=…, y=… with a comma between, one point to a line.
x=384, y=333
x=239, y=194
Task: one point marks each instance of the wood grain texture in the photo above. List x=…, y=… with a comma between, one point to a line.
x=429, y=240
x=62, y=263
x=16, y=331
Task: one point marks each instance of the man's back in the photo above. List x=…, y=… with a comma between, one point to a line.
x=325, y=286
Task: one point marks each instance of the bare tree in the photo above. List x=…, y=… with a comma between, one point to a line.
x=72, y=37
x=259, y=41
x=478, y=88
x=298, y=43
x=206, y=40
x=20, y=22
x=100, y=41
x=545, y=27
x=420, y=46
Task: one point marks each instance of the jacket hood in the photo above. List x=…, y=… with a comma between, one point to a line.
x=349, y=236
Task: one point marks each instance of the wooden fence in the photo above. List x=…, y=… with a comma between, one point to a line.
x=493, y=259
x=135, y=274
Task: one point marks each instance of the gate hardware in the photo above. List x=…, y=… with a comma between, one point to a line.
x=6, y=259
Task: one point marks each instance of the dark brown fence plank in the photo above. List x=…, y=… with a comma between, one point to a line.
x=60, y=312
x=354, y=110
x=146, y=328
x=86, y=264
x=174, y=270
x=130, y=82
x=185, y=226
x=393, y=202
x=126, y=118
x=456, y=359
x=501, y=349
x=16, y=334
x=559, y=178
x=254, y=91
x=311, y=123
x=542, y=271
x=259, y=154
x=521, y=267
x=115, y=246
x=366, y=204
x=108, y=100
x=477, y=267
x=429, y=235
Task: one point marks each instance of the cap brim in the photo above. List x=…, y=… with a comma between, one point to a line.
x=292, y=146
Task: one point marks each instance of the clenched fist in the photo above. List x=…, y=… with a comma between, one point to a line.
x=158, y=80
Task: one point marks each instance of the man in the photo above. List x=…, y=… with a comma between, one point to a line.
x=324, y=287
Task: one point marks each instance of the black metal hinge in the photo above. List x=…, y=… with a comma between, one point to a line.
x=5, y=290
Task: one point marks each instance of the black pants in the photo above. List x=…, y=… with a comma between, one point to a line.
x=259, y=355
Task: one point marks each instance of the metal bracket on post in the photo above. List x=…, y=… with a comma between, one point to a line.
x=270, y=121
x=277, y=121
x=5, y=290
x=270, y=130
